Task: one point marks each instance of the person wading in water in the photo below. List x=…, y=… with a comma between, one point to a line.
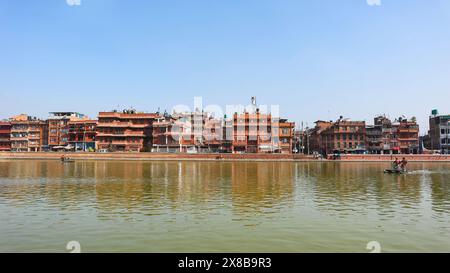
x=403, y=164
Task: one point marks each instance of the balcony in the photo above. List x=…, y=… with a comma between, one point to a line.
x=19, y=138
x=120, y=135
x=239, y=143
x=19, y=130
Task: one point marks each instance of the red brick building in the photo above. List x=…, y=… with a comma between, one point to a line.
x=260, y=133
x=28, y=134
x=58, y=129
x=127, y=131
x=5, y=134
x=407, y=135
x=187, y=132
x=342, y=136
x=82, y=134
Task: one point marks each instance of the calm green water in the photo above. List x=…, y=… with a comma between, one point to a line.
x=222, y=207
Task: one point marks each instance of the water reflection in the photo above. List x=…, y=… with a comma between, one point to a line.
x=251, y=187
x=172, y=195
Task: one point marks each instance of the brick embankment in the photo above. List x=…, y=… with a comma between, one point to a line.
x=157, y=156
x=218, y=157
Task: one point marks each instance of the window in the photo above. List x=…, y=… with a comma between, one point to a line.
x=442, y=131
x=443, y=141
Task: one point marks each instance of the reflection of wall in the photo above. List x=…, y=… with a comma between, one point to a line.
x=261, y=185
x=247, y=188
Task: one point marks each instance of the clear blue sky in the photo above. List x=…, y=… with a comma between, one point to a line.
x=317, y=59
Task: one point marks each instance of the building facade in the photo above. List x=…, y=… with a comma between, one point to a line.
x=343, y=136
x=28, y=134
x=82, y=134
x=313, y=137
x=259, y=133
x=127, y=131
x=439, y=134
x=407, y=136
x=5, y=136
x=58, y=129
x=381, y=137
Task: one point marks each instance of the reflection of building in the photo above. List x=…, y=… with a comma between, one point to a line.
x=5, y=134
x=127, y=131
x=258, y=186
x=58, y=129
x=82, y=134
x=28, y=134
x=439, y=132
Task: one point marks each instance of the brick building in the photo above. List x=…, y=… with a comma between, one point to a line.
x=58, y=129
x=5, y=136
x=341, y=136
x=127, y=131
x=259, y=133
x=187, y=132
x=28, y=134
x=82, y=135
x=407, y=135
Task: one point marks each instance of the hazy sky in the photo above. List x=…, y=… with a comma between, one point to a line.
x=316, y=59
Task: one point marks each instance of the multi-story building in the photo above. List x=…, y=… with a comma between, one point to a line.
x=374, y=137
x=406, y=132
x=255, y=132
x=439, y=134
x=187, y=132
x=387, y=137
x=381, y=137
x=5, y=136
x=313, y=137
x=28, y=134
x=127, y=131
x=344, y=136
x=58, y=129
x=82, y=135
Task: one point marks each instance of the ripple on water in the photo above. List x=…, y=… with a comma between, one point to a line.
x=226, y=206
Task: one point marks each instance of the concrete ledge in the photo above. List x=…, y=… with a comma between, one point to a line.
x=156, y=156
x=217, y=157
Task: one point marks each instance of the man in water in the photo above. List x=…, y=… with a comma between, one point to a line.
x=403, y=164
